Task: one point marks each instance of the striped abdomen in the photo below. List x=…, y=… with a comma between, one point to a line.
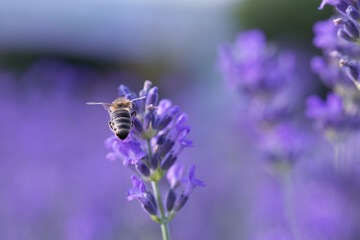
x=120, y=122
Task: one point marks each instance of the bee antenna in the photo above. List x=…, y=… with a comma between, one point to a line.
x=137, y=98
x=97, y=103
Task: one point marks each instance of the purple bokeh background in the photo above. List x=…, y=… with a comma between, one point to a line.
x=55, y=180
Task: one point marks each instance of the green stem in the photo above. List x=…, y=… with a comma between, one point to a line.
x=149, y=149
x=164, y=221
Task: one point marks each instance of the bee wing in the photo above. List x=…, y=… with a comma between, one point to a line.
x=105, y=105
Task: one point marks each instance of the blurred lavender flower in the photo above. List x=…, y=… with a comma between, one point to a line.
x=158, y=136
x=253, y=67
x=284, y=143
x=332, y=116
x=325, y=35
x=264, y=76
x=267, y=80
x=330, y=73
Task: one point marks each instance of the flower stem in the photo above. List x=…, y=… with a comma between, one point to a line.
x=164, y=221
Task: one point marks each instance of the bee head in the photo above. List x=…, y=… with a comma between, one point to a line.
x=122, y=103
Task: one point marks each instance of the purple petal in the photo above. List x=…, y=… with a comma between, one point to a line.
x=174, y=174
x=186, y=143
x=111, y=156
x=131, y=151
x=192, y=182
x=181, y=119
x=163, y=106
x=330, y=2
x=138, y=189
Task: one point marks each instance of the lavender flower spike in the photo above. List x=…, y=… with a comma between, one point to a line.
x=158, y=136
x=338, y=117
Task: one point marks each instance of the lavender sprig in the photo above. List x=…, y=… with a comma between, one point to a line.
x=266, y=79
x=343, y=37
x=338, y=117
x=158, y=136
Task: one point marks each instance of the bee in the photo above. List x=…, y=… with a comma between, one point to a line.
x=120, y=110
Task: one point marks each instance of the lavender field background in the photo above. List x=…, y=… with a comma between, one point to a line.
x=56, y=182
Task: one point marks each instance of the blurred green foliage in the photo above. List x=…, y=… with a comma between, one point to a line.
x=292, y=18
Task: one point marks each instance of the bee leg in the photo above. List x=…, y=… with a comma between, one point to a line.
x=132, y=123
x=133, y=114
x=111, y=126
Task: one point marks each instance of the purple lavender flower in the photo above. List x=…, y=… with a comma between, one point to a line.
x=330, y=2
x=252, y=67
x=285, y=142
x=340, y=41
x=330, y=73
x=338, y=69
x=341, y=5
x=130, y=151
x=335, y=49
x=174, y=175
x=338, y=117
x=325, y=35
x=174, y=201
x=158, y=136
x=268, y=81
x=332, y=115
x=145, y=198
x=265, y=77
x=191, y=182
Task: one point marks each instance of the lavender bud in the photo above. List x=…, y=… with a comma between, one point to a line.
x=152, y=96
x=352, y=29
x=154, y=161
x=164, y=122
x=353, y=70
x=147, y=85
x=150, y=203
x=142, y=169
x=138, y=126
x=165, y=148
x=125, y=91
x=180, y=202
x=168, y=162
x=161, y=139
x=344, y=35
x=170, y=199
x=353, y=13
x=149, y=119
